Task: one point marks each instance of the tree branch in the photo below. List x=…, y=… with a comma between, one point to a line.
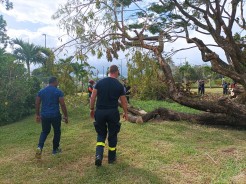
x=197, y=22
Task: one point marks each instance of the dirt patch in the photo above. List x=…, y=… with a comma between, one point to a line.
x=77, y=168
x=186, y=173
x=229, y=150
x=240, y=178
x=233, y=152
x=17, y=156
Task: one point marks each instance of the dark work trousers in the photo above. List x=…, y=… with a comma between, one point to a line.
x=107, y=122
x=46, y=127
x=225, y=91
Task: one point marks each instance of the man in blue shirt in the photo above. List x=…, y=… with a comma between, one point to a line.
x=50, y=98
x=107, y=91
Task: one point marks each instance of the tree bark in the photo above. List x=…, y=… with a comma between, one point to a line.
x=203, y=118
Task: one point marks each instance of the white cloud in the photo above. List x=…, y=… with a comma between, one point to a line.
x=34, y=11
x=36, y=16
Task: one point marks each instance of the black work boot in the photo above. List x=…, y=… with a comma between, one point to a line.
x=111, y=156
x=98, y=160
x=99, y=155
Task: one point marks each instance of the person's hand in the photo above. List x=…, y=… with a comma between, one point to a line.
x=65, y=119
x=38, y=118
x=92, y=113
x=125, y=116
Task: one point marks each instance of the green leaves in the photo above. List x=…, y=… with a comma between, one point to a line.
x=99, y=54
x=136, y=26
x=144, y=75
x=29, y=53
x=98, y=4
x=123, y=3
x=3, y=33
x=8, y=4
x=17, y=90
x=108, y=55
x=93, y=52
x=159, y=9
x=91, y=15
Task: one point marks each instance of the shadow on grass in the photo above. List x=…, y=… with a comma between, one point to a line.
x=120, y=173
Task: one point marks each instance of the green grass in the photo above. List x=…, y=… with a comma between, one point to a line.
x=160, y=152
x=151, y=105
x=217, y=90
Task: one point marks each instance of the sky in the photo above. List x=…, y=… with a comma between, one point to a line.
x=30, y=20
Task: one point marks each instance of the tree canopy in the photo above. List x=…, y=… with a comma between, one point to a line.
x=29, y=53
x=8, y=4
x=107, y=27
x=18, y=90
x=3, y=33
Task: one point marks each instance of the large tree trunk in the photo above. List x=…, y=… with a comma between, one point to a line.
x=137, y=116
x=28, y=68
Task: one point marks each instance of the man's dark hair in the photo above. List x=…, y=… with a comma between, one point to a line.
x=52, y=80
x=113, y=69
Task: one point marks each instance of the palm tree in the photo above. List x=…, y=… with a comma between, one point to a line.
x=46, y=57
x=63, y=70
x=2, y=52
x=81, y=70
x=26, y=52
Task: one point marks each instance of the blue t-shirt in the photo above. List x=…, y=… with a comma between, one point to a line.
x=50, y=101
x=108, y=92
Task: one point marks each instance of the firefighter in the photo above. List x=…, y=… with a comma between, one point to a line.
x=106, y=93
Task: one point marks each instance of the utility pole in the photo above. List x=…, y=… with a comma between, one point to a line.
x=103, y=71
x=44, y=40
x=120, y=67
x=181, y=59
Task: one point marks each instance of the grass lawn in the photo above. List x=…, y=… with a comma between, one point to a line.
x=157, y=152
x=208, y=90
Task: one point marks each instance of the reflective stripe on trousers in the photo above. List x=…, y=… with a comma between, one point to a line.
x=100, y=144
x=111, y=148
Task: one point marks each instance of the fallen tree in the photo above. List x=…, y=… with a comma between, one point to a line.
x=168, y=21
x=140, y=116
x=164, y=114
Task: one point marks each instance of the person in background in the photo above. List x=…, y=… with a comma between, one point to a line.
x=202, y=87
x=225, y=88
x=50, y=97
x=233, y=85
x=106, y=94
x=232, y=90
x=199, y=86
x=90, y=87
x=127, y=90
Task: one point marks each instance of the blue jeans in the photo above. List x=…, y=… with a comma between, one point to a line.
x=46, y=127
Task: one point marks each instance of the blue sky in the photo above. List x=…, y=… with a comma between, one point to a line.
x=14, y=24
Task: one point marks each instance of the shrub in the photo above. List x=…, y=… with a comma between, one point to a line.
x=17, y=91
